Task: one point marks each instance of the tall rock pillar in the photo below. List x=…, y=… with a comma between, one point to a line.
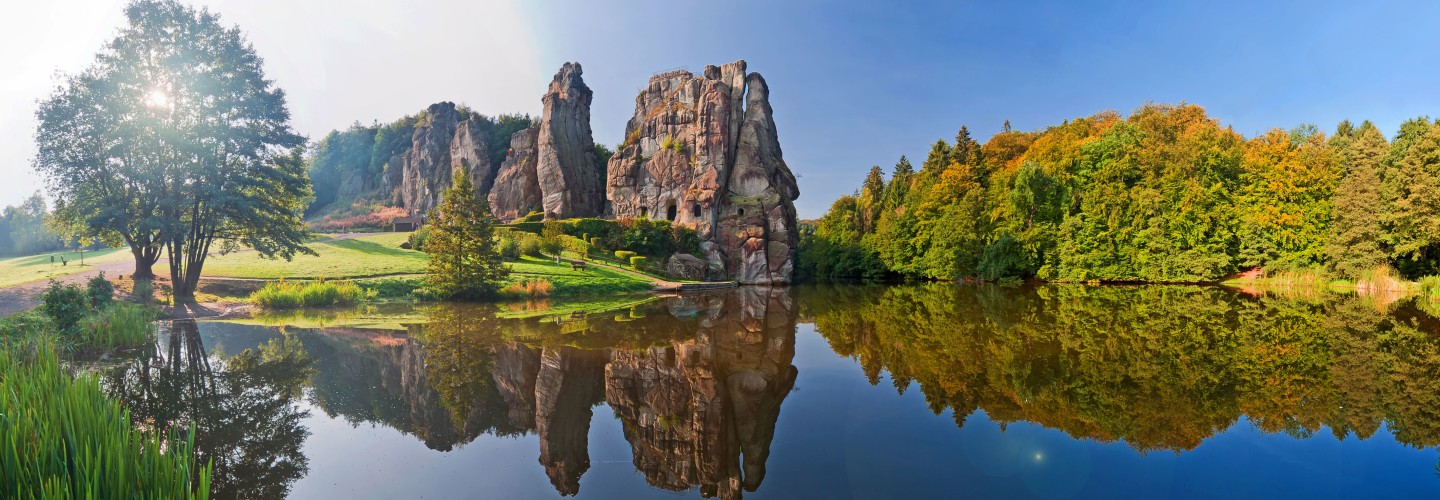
x=568, y=172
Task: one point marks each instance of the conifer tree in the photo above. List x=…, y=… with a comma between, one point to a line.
x=465, y=262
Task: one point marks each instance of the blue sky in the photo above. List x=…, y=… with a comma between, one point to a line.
x=853, y=84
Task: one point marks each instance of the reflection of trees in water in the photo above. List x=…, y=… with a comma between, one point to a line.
x=697, y=383
x=242, y=407
x=1158, y=367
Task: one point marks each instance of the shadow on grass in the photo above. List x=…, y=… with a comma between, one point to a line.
x=372, y=248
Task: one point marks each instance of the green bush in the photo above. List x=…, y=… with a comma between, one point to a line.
x=1430, y=287
x=100, y=291
x=644, y=236
x=143, y=291
x=527, y=227
x=121, y=324
x=530, y=245
x=25, y=333
x=417, y=238
x=536, y=216
x=64, y=438
x=510, y=248
x=391, y=288
x=638, y=262
x=624, y=255
x=576, y=245
x=290, y=294
x=65, y=305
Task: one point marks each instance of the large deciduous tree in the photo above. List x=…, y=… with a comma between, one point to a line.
x=1356, y=238
x=1411, y=187
x=173, y=139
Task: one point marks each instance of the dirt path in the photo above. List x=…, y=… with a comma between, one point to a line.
x=26, y=295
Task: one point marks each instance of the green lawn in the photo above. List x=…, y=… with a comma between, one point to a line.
x=570, y=282
x=372, y=255
x=17, y=270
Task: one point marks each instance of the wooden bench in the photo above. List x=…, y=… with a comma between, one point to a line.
x=577, y=264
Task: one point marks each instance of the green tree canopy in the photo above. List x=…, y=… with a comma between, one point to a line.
x=175, y=139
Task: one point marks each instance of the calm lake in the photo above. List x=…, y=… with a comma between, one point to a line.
x=915, y=391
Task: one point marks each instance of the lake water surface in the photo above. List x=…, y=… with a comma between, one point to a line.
x=915, y=391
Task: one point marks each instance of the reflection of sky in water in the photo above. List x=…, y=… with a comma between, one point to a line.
x=840, y=437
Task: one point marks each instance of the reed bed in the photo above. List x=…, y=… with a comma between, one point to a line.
x=320, y=293
x=61, y=437
x=119, y=325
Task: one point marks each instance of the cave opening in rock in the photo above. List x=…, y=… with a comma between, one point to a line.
x=643, y=211
x=740, y=212
x=695, y=211
x=670, y=212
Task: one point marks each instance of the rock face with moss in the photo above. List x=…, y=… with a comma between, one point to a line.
x=517, y=189
x=443, y=141
x=569, y=175
x=702, y=151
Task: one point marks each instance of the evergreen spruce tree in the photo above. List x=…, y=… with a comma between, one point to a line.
x=465, y=263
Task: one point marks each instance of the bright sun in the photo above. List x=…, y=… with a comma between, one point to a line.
x=157, y=99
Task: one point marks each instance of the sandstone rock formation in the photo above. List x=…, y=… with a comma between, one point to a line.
x=702, y=151
x=517, y=189
x=442, y=142
x=685, y=267
x=569, y=174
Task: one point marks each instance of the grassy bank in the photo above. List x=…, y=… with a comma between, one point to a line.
x=320, y=293
x=370, y=255
x=17, y=270
x=61, y=437
x=1379, y=280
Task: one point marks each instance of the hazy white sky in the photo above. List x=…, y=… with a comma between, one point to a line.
x=340, y=61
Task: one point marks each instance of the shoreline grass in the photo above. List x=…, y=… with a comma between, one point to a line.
x=62, y=437
x=120, y=325
x=17, y=270
x=320, y=293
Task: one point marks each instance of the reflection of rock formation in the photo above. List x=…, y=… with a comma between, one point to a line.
x=568, y=385
x=516, y=366
x=703, y=411
x=698, y=406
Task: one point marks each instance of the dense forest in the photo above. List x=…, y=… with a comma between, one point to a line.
x=1166, y=194
x=23, y=229
x=363, y=152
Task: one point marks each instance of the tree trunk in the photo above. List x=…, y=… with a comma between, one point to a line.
x=145, y=262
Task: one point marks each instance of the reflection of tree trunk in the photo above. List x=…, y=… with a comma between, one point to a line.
x=568, y=385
